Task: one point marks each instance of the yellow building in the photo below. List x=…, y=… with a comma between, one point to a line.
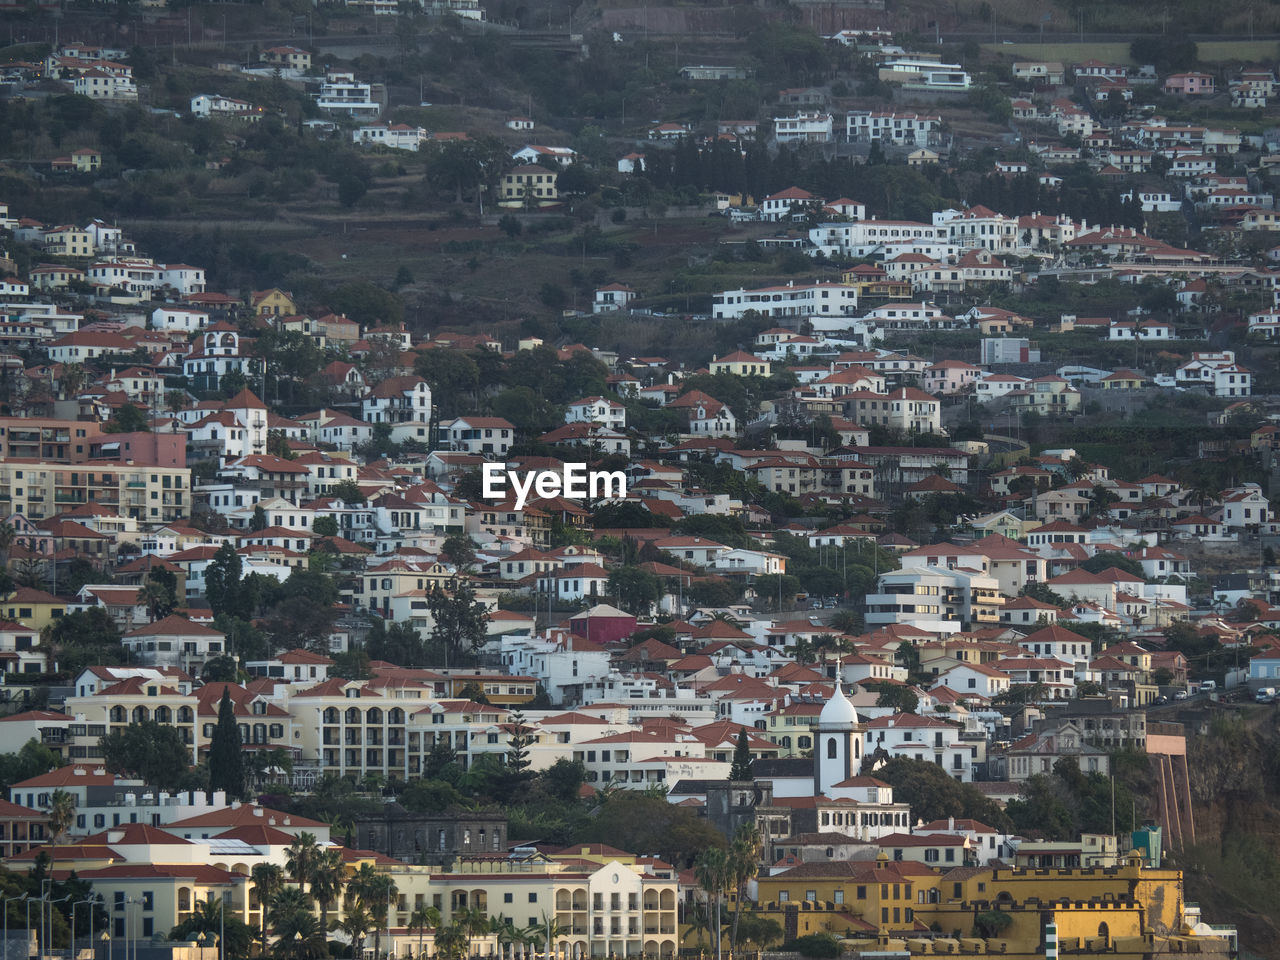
x=273, y=303
x=1127, y=911
x=531, y=185
x=742, y=364
x=1123, y=380
x=791, y=726
x=1097, y=909
x=33, y=608
x=861, y=896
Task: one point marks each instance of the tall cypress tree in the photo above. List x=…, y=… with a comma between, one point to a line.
x=741, y=769
x=226, y=763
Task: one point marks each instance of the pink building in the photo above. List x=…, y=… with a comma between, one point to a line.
x=1190, y=84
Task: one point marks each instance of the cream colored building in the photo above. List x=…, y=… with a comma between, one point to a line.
x=148, y=494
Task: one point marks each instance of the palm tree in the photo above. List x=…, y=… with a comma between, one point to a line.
x=452, y=942
x=205, y=922
x=422, y=919
x=374, y=891
x=298, y=934
x=712, y=872
x=506, y=932
x=355, y=923
x=72, y=379
x=62, y=813
x=744, y=865
x=472, y=920
x=548, y=931
x=327, y=878
x=301, y=859
x=268, y=880
x=156, y=598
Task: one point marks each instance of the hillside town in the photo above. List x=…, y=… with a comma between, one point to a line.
x=889, y=618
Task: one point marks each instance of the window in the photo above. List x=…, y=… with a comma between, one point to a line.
x=507, y=897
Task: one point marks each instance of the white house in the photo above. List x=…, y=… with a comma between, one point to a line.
x=394, y=136
x=803, y=128
x=600, y=410
x=791, y=300
x=489, y=437
x=612, y=297
x=341, y=95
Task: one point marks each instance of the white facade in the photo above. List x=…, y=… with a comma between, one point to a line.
x=792, y=300
x=394, y=136
x=803, y=128
x=341, y=95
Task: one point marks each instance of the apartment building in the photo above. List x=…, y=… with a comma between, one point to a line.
x=41, y=489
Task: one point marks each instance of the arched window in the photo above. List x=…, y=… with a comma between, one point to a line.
x=831, y=749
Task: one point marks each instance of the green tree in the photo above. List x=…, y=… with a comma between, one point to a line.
x=636, y=590
x=127, y=418
x=325, y=526
x=152, y=752
x=636, y=820
x=991, y=924
x=522, y=736
x=901, y=698
x=741, y=769
x=458, y=622
x=348, y=491
x=1043, y=810
x=327, y=878
x=713, y=874
x=268, y=880
x=934, y=795
x=293, y=921
x=422, y=919
x=302, y=858
x=259, y=519
x=226, y=762
x=374, y=891
x=563, y=779
x=208, y=923
x=222, y=581
x=351, y=190
x=31, y=760
x=62, y=814
x=459, y=550
x=744, y=866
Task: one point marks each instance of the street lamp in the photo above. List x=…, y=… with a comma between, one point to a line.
x=5, y=907
x=90, y=900
x=222, y=921
x=48, y=942
x=127, y=937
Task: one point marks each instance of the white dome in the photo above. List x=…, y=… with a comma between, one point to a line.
x=838, y=711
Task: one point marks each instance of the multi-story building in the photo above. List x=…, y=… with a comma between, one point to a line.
x=41, y=489
x=790, y=300
x=904, y=128
x=341, y=95
x=803, y=128
x=935, y=599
